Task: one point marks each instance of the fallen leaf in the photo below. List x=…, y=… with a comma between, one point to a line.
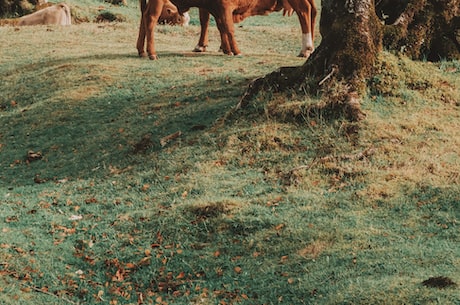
x=90, y=200
x=119, y=276
x=100, y=293
x=76, y=217
x=11, y=219
x=181, y=275
x=144, y=261
x=34, y=156
x=26, y=289
x=19, y=250
x=165, y=140
x=39, y=180
x=140, y=299
x=279, y=227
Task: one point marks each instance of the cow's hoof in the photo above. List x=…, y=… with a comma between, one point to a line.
x=305, y=54
x=142, y=54
x=199, y=49
x=226, y=52
x=153, y=57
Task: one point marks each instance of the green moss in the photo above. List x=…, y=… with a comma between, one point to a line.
x=427, y=31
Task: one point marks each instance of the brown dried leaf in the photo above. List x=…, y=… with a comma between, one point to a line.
x=34, y=156
x=181, y=275
x=165, y=140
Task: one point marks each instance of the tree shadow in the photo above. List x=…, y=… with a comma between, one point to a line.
x=102, y=134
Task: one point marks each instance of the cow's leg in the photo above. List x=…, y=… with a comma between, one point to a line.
x=307, y=15
x=150, y=16
x=204, y=22
x=227, y=32
x=224, y=41
x=307, y=35
x=313, y=13
x=141, y=38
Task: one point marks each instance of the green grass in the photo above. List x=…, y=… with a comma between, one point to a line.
x=278, y=204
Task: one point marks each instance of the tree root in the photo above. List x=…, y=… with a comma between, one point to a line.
x=279, y=80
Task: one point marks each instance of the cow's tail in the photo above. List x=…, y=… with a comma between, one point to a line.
x=66, y=19
x=67, y=15
x=143, y=5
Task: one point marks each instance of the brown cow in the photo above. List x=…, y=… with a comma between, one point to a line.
x=226, y=13
x=170, y=15
x=58, y=14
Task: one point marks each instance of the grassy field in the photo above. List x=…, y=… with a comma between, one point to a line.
x=122, y=183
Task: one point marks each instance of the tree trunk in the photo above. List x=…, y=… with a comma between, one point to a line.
x=351, y=40
x=352, y=36
x=427, y=29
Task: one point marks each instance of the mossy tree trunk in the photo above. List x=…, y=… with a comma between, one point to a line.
x=427, y=29
x=351, y=40
x=352, y=37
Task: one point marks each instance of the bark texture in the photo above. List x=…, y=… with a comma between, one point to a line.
x=427, y=29
x=353, y=33
x=351, y=40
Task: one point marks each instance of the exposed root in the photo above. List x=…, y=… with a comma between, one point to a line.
x=276, y=81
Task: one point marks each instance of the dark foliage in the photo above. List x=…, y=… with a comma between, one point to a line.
x=13, y=8
x=427, y=29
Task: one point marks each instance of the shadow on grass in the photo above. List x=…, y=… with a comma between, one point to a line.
x=96, y=136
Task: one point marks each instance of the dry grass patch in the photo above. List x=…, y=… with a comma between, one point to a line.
x=314, y=250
